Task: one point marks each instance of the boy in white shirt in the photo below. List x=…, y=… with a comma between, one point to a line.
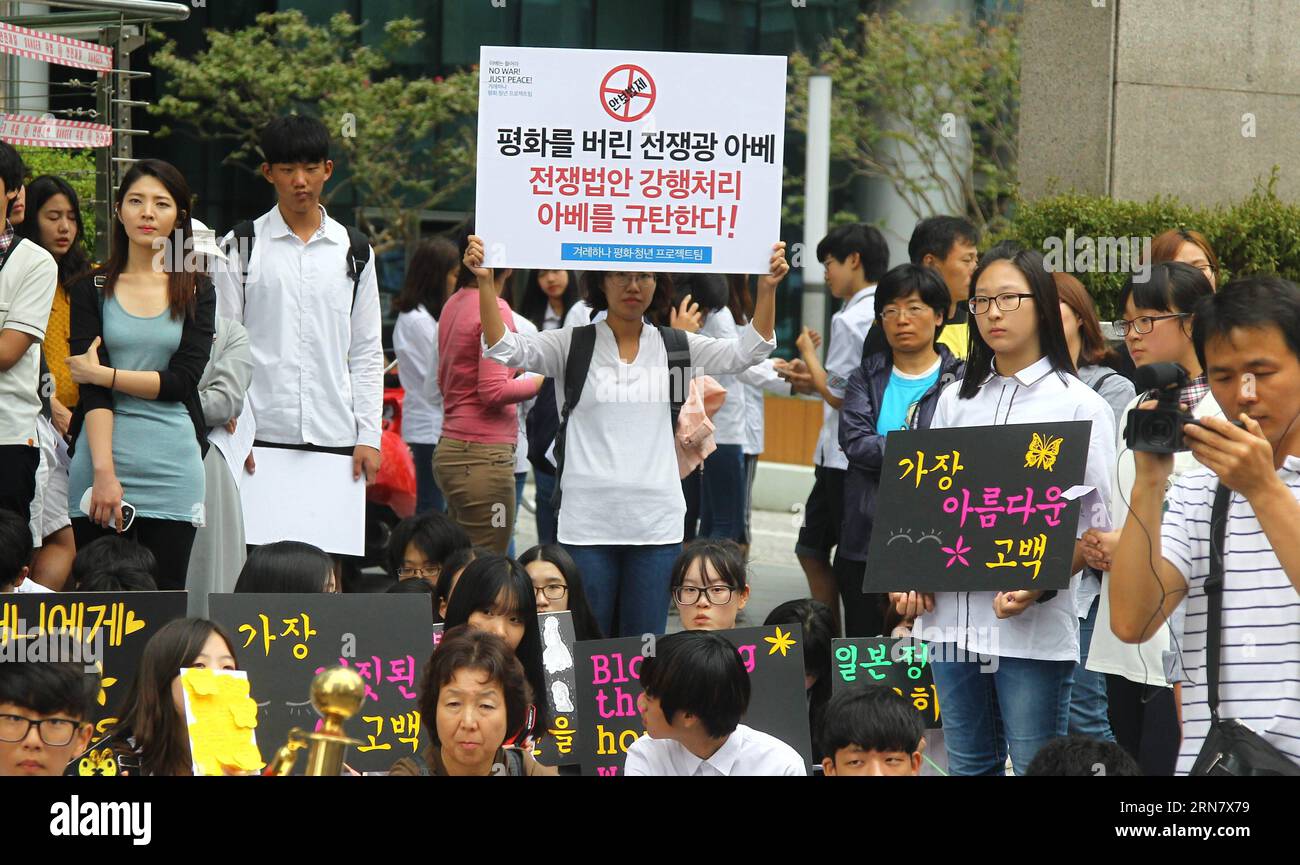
x=694, y=691
x=855, y=258
x=313, y=327
x=28, y=277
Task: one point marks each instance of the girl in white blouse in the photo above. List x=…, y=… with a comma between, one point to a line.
x=1004, y=659
x=622, y=511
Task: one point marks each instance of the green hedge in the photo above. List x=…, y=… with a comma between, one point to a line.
x=1259, y=234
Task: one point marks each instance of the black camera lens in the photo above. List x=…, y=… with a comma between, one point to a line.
x=1160, y=431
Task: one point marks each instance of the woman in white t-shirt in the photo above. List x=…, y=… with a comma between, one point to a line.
x=622, y=510
x=430, y=279
x=1157, y=327
x=1004, y=659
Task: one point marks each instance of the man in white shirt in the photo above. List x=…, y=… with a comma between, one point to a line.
x=314, y=330
x=28, y=276
x=695, y=690
x=855, y=258
x=1247, y=337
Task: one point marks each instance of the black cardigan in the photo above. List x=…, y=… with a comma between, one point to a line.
x=179, y=382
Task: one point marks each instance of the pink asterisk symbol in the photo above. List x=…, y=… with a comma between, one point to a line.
x=957, y=552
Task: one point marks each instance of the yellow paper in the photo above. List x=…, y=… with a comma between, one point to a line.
x=222, y=721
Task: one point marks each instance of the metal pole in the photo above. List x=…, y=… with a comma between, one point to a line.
x=817, y=176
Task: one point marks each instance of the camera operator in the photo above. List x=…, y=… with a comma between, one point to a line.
x=1141, y=696
x=1247, y=338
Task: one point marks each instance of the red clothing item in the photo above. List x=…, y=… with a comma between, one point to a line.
x=478, y=395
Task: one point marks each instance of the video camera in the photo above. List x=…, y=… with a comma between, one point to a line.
x=1159, y=430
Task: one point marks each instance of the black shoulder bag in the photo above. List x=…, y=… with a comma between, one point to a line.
x=1231, y=748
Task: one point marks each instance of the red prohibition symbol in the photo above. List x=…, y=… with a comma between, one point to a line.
x=627, y=93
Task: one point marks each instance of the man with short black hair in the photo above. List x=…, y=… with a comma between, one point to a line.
x=311, y=308
x=28, y=277
x=947, y=244
x=695, y=690
x=46, y=709
x=1247, y=337
x=871, y=731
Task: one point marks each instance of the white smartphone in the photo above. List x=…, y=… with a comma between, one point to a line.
x=128, y=512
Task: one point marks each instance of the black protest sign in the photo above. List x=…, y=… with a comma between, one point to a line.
x=978, y=508
x=283, y=641
x=900, y=664
x=559, y=744
x=608, y=687
x=102, y=630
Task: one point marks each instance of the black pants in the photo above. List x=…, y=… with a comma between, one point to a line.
x=864, y=614
x=169, y=541
x=18, y=464
x=1145, y=723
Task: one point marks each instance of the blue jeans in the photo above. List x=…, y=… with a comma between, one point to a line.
x=1024, y=704
x=521, y=478
x=722, y=494
x=427, y=495
x=1089, y=710
x=631, y=581
x=547, y=519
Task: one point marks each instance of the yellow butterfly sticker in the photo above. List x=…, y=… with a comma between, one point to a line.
x=1043, y=452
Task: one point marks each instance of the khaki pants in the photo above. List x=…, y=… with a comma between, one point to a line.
x=478, y=481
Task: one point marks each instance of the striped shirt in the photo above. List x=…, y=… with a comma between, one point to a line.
x=1259, y=678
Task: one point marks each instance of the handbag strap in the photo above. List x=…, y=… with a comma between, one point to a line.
x=1214, y=596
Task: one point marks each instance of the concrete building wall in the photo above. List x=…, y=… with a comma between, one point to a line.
x=1138, y=98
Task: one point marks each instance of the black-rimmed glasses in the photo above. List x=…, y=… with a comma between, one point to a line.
x=1009, y=302
x=1143, y=323
x=55, y=732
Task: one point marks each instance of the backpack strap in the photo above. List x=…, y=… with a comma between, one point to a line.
x=4, y=258
x=1096, y=386
x=242, y=238
x=358, y=258
x=1214, y=597
x=679, y=370
x=581, y=347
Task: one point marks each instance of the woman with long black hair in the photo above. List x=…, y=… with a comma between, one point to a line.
x=430, y=279
x=141, y=335
x=1019, y=370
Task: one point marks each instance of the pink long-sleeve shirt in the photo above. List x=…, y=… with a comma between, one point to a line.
x=478, y=395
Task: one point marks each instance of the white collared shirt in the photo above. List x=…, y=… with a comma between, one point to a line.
x=746, y=753
x=318, y=362
x=1259, y=648
x=415, y=342
x=1048, y=631
x=621, y=484
x=849, y=329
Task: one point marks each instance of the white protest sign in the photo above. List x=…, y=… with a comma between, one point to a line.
x=629, y=160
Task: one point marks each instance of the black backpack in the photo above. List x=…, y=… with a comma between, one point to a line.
x=243, y=237
x=578, y=363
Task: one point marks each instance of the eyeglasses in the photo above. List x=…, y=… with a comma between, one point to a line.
x=1009, y=302
x=553, y=592
x=893, y=313
x=55, y=732
x=688, y=595
x=621, y=280
x=1143, y=323
x=407, y=573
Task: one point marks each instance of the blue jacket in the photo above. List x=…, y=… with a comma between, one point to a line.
x=866, y=449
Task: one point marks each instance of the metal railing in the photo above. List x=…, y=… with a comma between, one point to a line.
x=116, y=24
